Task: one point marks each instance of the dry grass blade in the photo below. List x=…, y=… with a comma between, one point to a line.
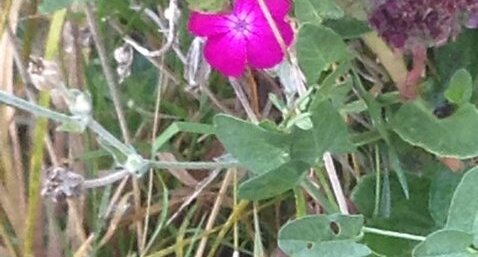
x=335, y=182
x=75, y=221
x=120, y=210
x=199, y=188
x=85, y=248
x=12, y=183
x=215, y=210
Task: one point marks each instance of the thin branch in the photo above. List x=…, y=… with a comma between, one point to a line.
x=162, y=26
x=110, y=79
x=215, y=210
x=393, y=234
x=243, y=99
x=334, y=180
x=108, y=137
x=143, y=51
x=106, y=180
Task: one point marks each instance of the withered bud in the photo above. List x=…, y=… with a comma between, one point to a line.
x=124, y=57
x=197, y=70
x=124, y=54
x=45, y=75
x=172, y=12
x=61, y=183
x=79, y=103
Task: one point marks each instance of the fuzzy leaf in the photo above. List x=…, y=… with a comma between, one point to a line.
x=322, y=235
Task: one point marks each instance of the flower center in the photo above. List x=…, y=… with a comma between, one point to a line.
x=241, y=24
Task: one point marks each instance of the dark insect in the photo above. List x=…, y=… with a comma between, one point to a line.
x=444, y=110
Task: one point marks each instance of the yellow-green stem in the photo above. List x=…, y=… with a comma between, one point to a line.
x=39, y=133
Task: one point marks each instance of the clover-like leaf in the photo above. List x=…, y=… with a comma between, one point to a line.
x=463, y=212
x=445, y=243
x=317, y=48
x=260, y=150
x=453, y=136
x=329, y=133
x=459, y=89
x=315, y=11
x=273, y=182
x=322, y=235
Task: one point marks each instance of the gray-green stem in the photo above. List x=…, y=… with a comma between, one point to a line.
x=393, y=234
x=102, y=133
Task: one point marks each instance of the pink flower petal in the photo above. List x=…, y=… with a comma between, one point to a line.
x=245, y=6
x=263, y=50
x=286, y=31
x=204, y=25
x=278, y=8
x=226, y=53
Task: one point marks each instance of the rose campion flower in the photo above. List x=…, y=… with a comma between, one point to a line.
x=243, y=37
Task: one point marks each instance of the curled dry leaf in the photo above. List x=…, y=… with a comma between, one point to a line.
x=45, y=75
x=197, y=70
x=124, y=58
x=61, y=183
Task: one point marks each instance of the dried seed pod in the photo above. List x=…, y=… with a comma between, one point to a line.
x=79, y=103
x=45, y=75
x=124, y=57
x=61, y=183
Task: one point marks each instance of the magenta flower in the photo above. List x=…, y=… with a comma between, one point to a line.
x=243, y=36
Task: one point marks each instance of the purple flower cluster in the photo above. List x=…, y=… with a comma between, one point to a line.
x=406, y=24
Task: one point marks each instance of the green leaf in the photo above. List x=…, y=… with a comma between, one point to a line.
x=179, y=126
x=49, y=6
x=461, y=53
x=459, y=89
x=315, y=11
x=463, y=213
x=442, y=187
x=389, y=246
x=258, y=149
x=329, y=133
x=406, y=215
x=445, y=243
x=453, y=136
x=348, y=27
x=207, y=5
x=322, y=235
x=273, y=182
x=317, y=48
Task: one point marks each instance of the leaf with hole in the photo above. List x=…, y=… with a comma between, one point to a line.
x=453, y=136
x=322, y=235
